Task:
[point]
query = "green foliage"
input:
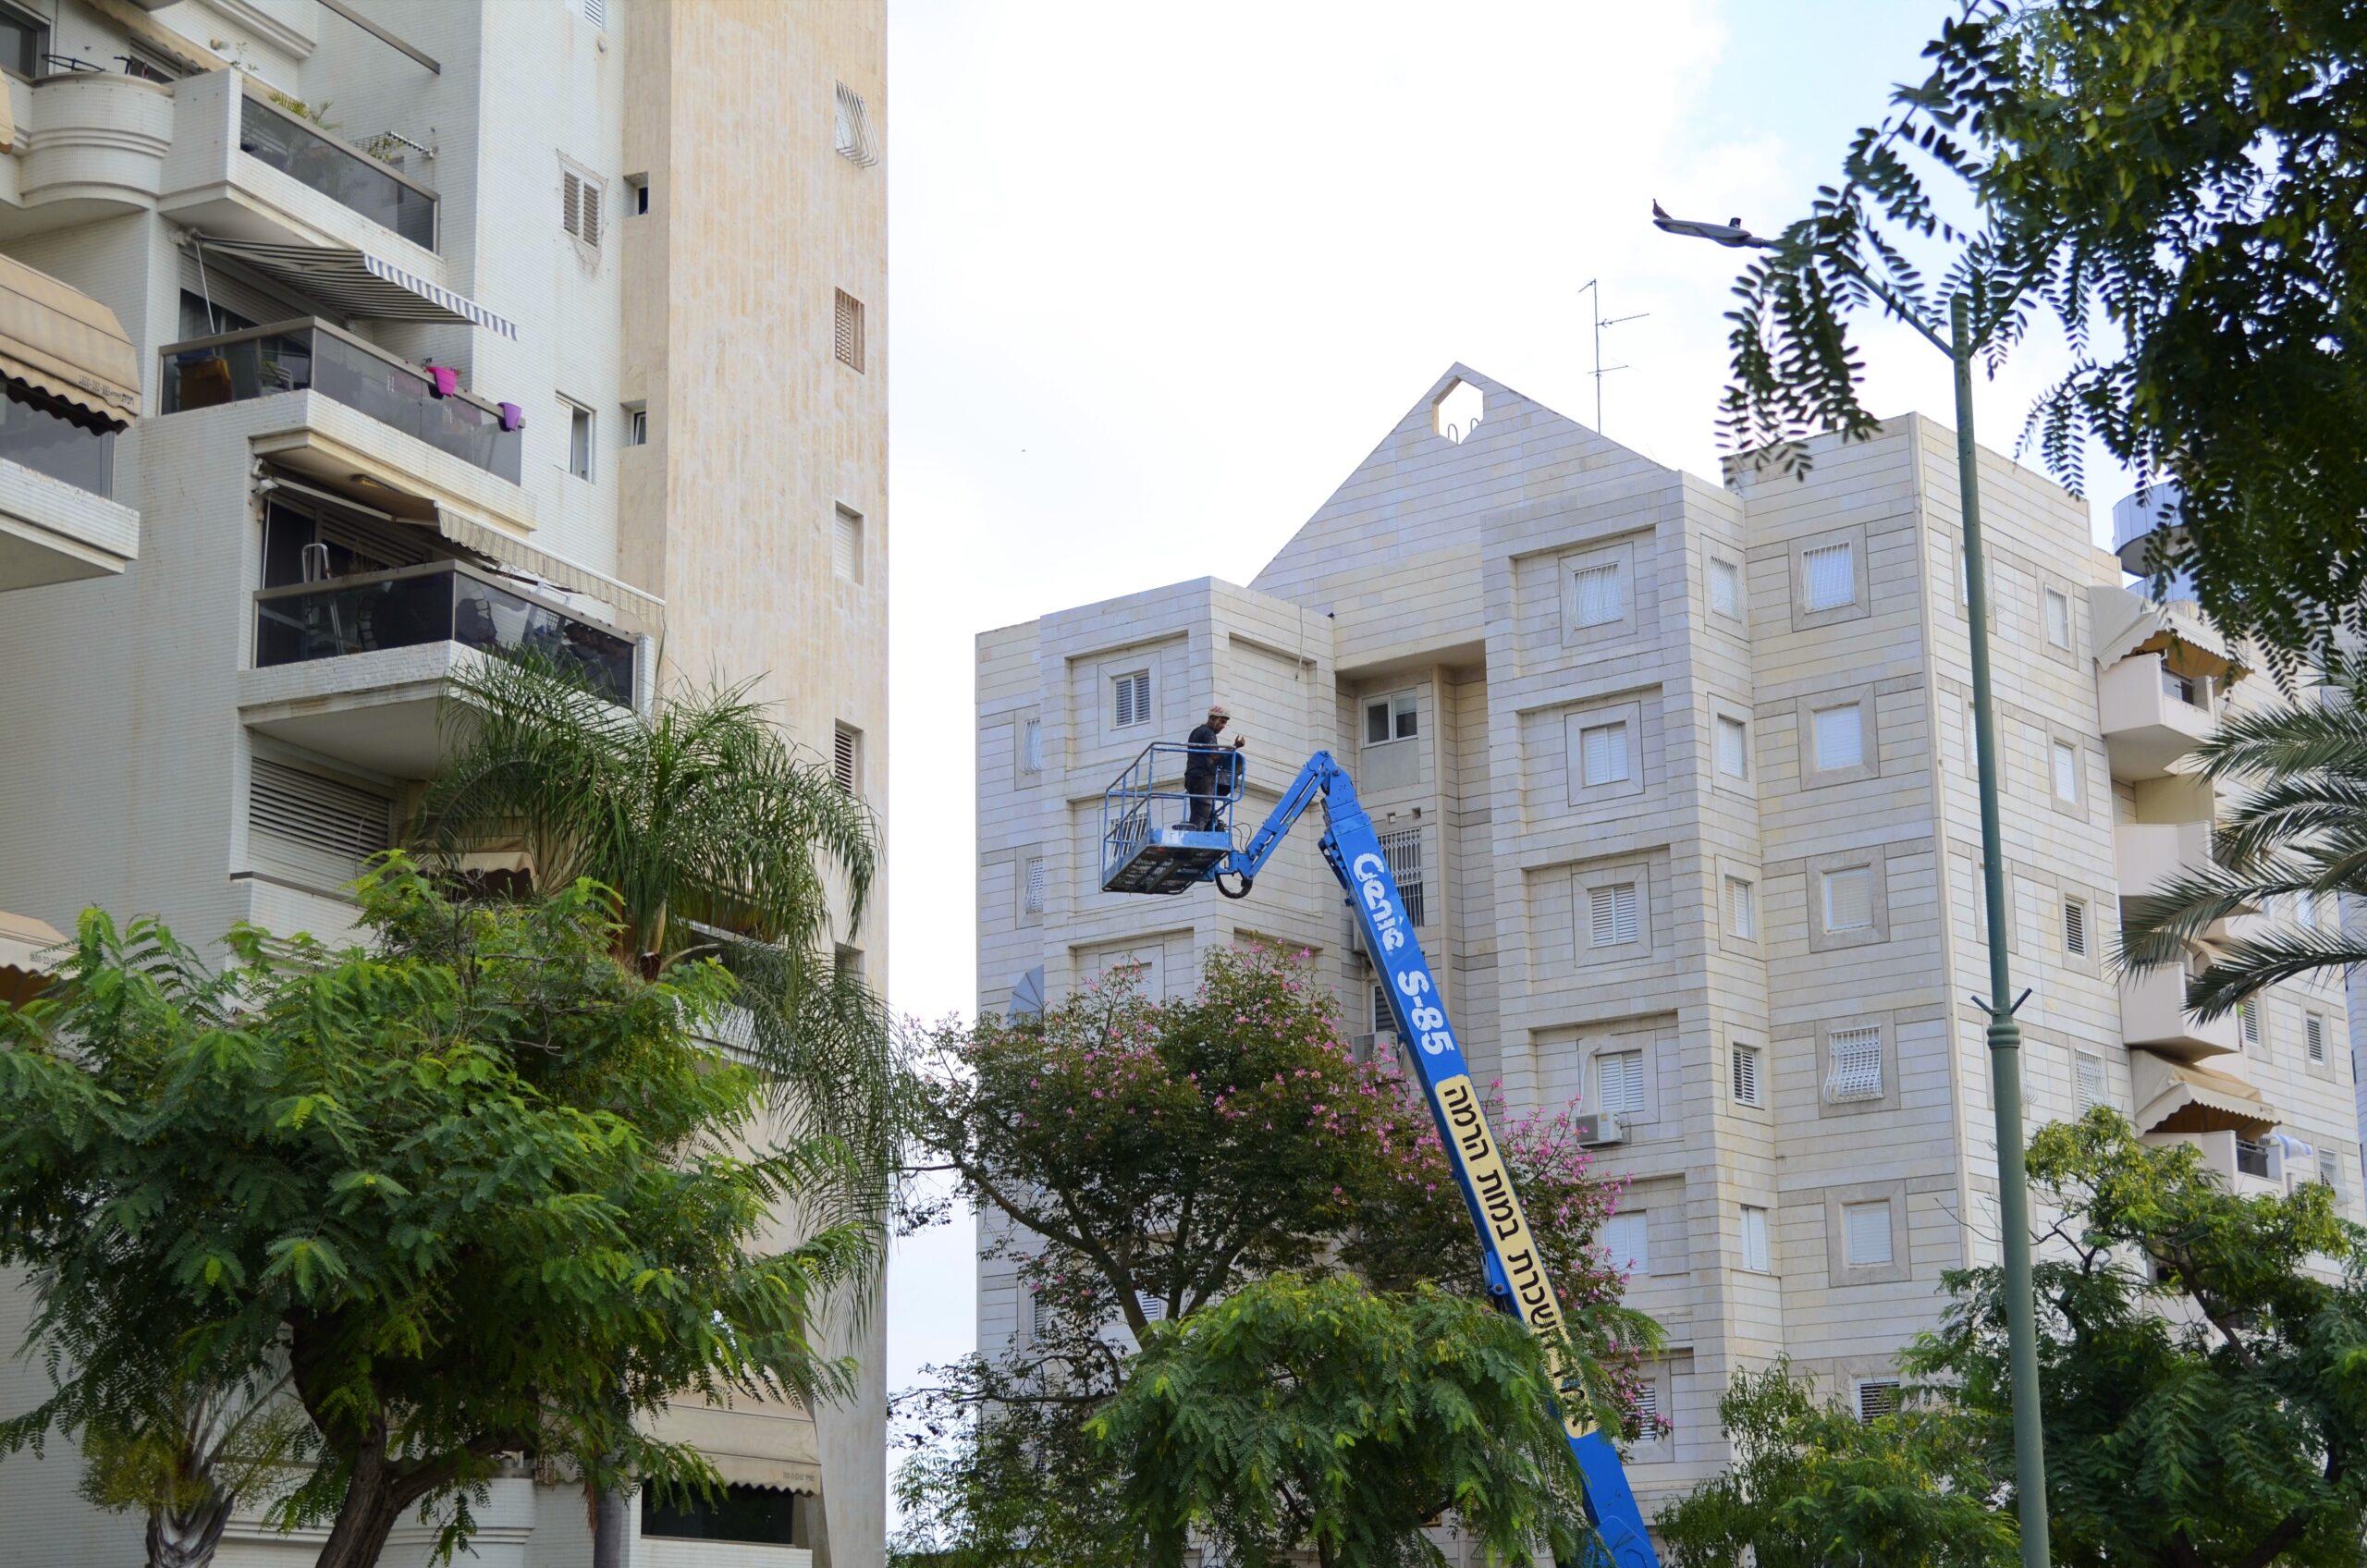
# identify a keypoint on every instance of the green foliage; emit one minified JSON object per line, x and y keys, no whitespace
{"x":1813,"y":1486}
{"x":476,"y":1190}
{"x":1299,"y":1413}
{"x":2298,"y":829}
{"x":1127,"y":1151}
{"x":2181,"y":185}
{"x":2203,"y":1361}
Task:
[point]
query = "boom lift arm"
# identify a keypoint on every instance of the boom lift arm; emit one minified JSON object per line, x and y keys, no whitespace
{"x":1141,"y":857}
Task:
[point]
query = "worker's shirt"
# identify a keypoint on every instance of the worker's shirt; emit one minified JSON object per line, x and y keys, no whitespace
{"x":1201,"y":765}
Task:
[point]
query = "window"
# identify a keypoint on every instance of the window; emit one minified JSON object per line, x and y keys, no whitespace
{"x":1742,"y":912}
{"x":846,"y":760}
{"x":1734,"y":747}
{"x":2314,"y":1035}
{"x":847,"y":339}
{"x":2075,"y":929}
{"x":1829,"y":577}
{"x":1725,"y":588}
{"x":1619,"y":1082}
{"x":24,"y":39}
{"x":1849,"y":898}
{"x":317,"y":813}
{"x":854,"y":130}
{"x":2193,"y":691}
{"x":1391,"y":718}
{"x":579,"y":206}
{"x":1404,"y":848}
{"x":1745,"y":1073}
{"x":1034,"y":885}
{"x":2066,"y":771}
{"x":579,"y":437}
{"x":1857,"y":1073}
{"x":1648,"y":1405}
{"x":2330,"y":1171}
{"x":1600,"y":595}
{"x":1030,"y":746}
{"x":1039,"y":1318}
{"x":2248,"y":1018}
{"x":149,"y":64}
{"x":1130,"y":699}
{"x":2058,"y":618}
{"x":1152,"y":1307}
{"x":2088,"y":1075}
{"x":846,"y":545}
{"x":755,"y":1515}
{"x":1840,"y":737}
{"x":1383,"y":1020}
{"x":1754,"y":1239}
{"x":848,"y":962}
{"x":636,"y":195}
{"x":1865,"y":1231}
{"x":1613,"y":912}
{"x":636,"y":425}
{"x":1602,"y":754}
{"x":1624,"y":1243}
{"x":1877,"y":1397}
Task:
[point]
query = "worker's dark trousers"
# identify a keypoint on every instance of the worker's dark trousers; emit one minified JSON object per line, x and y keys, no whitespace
{"x":1203,"y":816}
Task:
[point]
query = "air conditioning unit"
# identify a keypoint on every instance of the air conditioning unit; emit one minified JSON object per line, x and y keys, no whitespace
{"x":1599,"y":1129}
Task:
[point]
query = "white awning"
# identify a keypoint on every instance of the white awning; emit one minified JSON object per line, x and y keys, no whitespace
{"x":2176,"y":1096}
{"x":356,"y":283}
{"x":23,"y":941}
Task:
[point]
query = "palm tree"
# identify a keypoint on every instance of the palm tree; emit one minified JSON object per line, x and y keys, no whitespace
{"x":2297,"y":831}
{"x":716,"y":838}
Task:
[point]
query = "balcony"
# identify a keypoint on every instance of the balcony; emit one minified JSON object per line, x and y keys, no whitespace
{"x":360,"y":668}
{"x":311,"y":355}
{"x":2149,"y":855}
{"x":2152,"y":717}
{"x":2153,"y":1015}
{"x":279,"y":140}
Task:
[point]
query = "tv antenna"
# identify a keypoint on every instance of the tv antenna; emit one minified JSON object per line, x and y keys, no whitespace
{"x":1602,"y":321}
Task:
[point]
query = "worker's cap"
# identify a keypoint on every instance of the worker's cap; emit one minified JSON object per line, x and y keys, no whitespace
{"x":1218,"y":710}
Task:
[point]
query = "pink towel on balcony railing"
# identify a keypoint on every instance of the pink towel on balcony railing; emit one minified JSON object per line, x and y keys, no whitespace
{"x":446,"y":380}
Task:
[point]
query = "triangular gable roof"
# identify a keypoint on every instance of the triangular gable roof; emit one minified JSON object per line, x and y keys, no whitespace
{"x":1419,"y":494}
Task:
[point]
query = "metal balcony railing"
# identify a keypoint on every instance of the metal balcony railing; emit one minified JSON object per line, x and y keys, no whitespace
{"x":309,"y":354}
{"x":437,"y":602}
{"x":271,"y":135}
{"x":1150,"y":796}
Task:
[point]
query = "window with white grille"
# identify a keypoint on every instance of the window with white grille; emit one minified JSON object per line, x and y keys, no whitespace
{"x":2075,"y":929}
{"x":1829,"y":577}
{"x":1602,"y":754}
{"x":1857,"y":1068}
{"x":1389,"y":718}
{"x":1849,"y":898}
{"x":2087,"y":1073}
{"x":1619,"y":1082}
{"x":1734,"y":747}
{"x":847,"y":331}
{"x":580,"y":196}
{"x":1648,"y":1401}
{"x":1865,"y":1228}
{"x":1602,"y":595}
{"x":1383,"y":1020}
{"x":1035,"y":884}
{"x":1624,"y":1240}
{"x":1130,"y":699}
{"x":322,"y":824}
{"x":1754,"y":1238}
{"x":2066,"y":771}
{"x":852,"y":130}
{"x":1040,"y":1316}
{"x":2248,"y":1019}
{"x":1741,"y":908}
{"x":1613,"y":913}
{"x":1404,"y":848}
{"x":1745,"y":1073}
{"x":596,"y":12}
{"x":846,"y":760}
{"x":2058,"y":618}
{"x":1840,"y":734}
{"x":1725,"y":588}
{"x":1877,"y":1397}
{"x":1031,"y":747}
{"x":2313,"y":1036}
{"x":846,"y":545}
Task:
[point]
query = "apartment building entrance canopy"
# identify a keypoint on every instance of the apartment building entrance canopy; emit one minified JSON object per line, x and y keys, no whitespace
{"x":66,"y":347}
{"x":355,"y":283}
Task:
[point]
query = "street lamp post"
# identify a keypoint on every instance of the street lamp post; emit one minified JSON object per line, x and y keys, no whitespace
{"x":2004,"y":1035}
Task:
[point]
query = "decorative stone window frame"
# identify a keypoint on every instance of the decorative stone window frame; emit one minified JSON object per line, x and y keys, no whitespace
{"x":1740,"y":870}
{"x":1712,"y":552}
{"x":2059,"y":946}
{"x":1609,"y":874}
{"x":1861,"y":603}
{"x":1825,"y":1030}
{"x":2084,"y":807}
{"x":1876,"y":859}
{"x":1870,"y":736}
{"x":1724,"y":707}
{"x":2048,"y":582}
{"x":1839,"y":1271}
{"x":1616,"y":1043}
{"x":1574,"y":723}
{"x":1620,"y":553}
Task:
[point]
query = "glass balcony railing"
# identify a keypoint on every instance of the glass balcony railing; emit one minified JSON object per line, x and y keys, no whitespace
{"x":273,"y":136}
{"x":296,"y":356}
{"x":60,"y":448}
{"x":439,"y":602}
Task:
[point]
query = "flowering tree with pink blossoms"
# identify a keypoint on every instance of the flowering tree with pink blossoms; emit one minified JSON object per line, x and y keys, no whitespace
{"x":1140,"y":1161}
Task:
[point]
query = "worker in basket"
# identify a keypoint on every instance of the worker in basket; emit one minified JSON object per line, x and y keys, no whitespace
{"x":1209,"y":771}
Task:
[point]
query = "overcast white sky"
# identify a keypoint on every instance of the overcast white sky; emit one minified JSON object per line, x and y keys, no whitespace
{"x":1161,"y":276}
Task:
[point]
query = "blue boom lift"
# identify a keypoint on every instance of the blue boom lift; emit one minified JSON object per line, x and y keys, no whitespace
{"x":1143,"y":855}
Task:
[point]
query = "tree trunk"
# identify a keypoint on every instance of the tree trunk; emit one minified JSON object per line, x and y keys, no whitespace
{"x":187,"y":1538}
{"x":611,"y":1527}
{"x":376,"y":1497}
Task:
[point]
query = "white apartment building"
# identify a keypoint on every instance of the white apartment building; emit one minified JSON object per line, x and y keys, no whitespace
{"x":1679,"y":778}
{"x":437,"y":328}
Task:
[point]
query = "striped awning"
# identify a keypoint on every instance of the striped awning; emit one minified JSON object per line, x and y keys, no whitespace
{"x":66,"y":349}
{"x":356,"y":283}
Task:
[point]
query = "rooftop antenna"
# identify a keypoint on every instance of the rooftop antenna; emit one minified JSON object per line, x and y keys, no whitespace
{"x":1602,"y":321}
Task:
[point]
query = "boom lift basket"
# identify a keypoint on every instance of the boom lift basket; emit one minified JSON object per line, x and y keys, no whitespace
{"x":1145,"y":848}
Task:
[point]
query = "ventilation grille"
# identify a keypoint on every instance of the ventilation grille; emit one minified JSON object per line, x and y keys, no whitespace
{"x":2075,"y":929}
{"x":313,"y":825}
{"x":596,"y":13}
{"x":846,"y":760}
{"x":1153,"y":1307}
{"x":1648,"y":1400}
{"x":2313,"y":1030}
{"x":848,"y":331}
{"x":855,"y":140}
{"x":579,"y":206}
{"x":1876,"y":1400}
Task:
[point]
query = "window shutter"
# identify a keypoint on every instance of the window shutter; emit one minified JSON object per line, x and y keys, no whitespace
{"x":1831,"y":574}
{"x":1648,"y":1403}
{"x":1381,"y":1017}
{"x":2089,"y":1071}
{"x":314,"y":827}
{"x":2058,"y":619}
{"x":571,"y":204}
{"x":854,"y":128}
{"x":1133,"y":699}
{"x":1404,"y":850}
{"x":846,"y":766}
{"x":2313,"y":1031}
{"x":1031,"y":747}
{"x":1856,"y":1069}
{"x":1840,"y":737}
{"x":2067,"y":772}
{"x":1746,"y":1074}
{"x":1876,"y":1398}
{"x":1153,"y":1307}
{"x":1866,"y":1230}
{"x":1040,"y":1316}
{"x":1601,"y":600}
{"x":846,"y":545}
{"x":1036,"y":885}
{"x":2248,"y":1016}
{"x":848,"y":330}
{"x":2330,"y":1171}
{"x":1754,"y":1238}
{"x":1742,"y":914}
{"x":1849,"y":900}
{"x":596,"y":12}
{"x":1602,"y":754}
{"x":1733,"y":748}
{"x":1623,"y":1240}
{"x":2075,"y":929}
{"x":1725,"y":588}
{"x":1619,"y":1082}
{"x":591,"y":231}
{"x":1612,"y":911}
